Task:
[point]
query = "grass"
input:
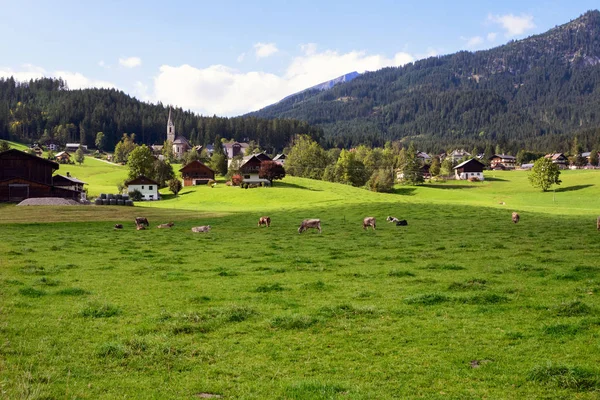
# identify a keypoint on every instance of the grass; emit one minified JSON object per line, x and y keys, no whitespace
{"x":402,"y":312}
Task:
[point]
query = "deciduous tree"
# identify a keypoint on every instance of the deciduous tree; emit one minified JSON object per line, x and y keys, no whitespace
{"x":544,"y":174}
{"x":271,"y":170}
{"x":80,"y":155}
{"x":141,"y":162}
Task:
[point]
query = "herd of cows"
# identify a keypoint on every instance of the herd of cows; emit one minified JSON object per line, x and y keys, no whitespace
{"x":142,"y":223}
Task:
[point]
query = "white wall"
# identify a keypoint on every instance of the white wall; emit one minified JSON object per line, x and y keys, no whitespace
{"x":466,"y":175}
{"x":145,"y":191}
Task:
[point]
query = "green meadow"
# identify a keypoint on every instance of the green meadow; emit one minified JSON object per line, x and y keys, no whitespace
{"x":459,"y":304}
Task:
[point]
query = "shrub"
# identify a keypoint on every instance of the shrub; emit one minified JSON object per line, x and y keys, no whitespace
{"x":236,"y":180}
{"x":136,"y":195}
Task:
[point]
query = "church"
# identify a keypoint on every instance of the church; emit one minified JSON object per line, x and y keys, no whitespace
{"x":180,"y":144}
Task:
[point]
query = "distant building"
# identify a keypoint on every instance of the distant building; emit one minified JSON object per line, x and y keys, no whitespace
{"x":146,"y":186}
{"x":180,"y":144}
{"x":457,"y":155}
{"x":235,"y":148}
{"x":502,"y":161}
{"x":469,"y":169}
{"x":280,"y":158}
{"x":63,"y":157}
{"x":75,"y":146}
{"x":558,"y":158}
{"x":423,"y":157}
{"x":250,"y":168}
{"x":196,"y":173}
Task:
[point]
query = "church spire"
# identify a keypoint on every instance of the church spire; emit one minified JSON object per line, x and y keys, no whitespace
{"x":170,"y":128}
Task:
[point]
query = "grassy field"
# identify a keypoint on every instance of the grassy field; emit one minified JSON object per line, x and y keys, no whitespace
{"x":461,"y":303}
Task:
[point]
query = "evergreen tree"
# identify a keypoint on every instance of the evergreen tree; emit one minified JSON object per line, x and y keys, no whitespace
{"x":411,"y":172}
{"x":100,"y":141}
{"x":594,"y":157}
{"x":435,"y":167}
{"x":218,"y":161}
{"x":79,"y":155}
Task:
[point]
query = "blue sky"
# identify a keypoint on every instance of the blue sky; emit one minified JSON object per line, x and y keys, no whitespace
{"x":231,"y":57}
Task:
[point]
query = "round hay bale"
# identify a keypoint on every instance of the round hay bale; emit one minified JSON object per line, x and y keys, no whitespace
{"x":128,"y":202}
{"x":119,"y":196}
{"x":120,"y":202}
{"x":125,"y":197}
{"x":113,"y":202}
{"x":105,"y":202}
{"x":102,"y":195}
{"x":110,"y":196}
{"x":98,"y":201}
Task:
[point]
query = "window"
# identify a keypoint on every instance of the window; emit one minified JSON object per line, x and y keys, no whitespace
{"x":151,"y":196}
{"x":150,"y":187}
{"x":142,"y":187}
{"x":246,"y":176}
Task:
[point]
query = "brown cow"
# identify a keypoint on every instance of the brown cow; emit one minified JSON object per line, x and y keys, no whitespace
{"x":598,"y":223}
{"x":167,"y":225}
{"x":264,"y":221}
{"x":310,"y":223}
{"x":141,"y":221}
{"x":203,"y":228}
{"x":369,"y":221}
{"x":515,"y":217}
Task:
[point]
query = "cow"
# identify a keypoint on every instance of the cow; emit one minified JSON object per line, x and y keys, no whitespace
{"x":141,"y":221}
{"x":369,"y":222}
{"x":402,"y":222}
{"x":310,"y":223}
{"x":167,"y":225}
{"x":392,"y":219}
{"x":515,"y":217}
{"x":140,"y":227}
{"x":203,"y":228}
{"x":264,"y":221}
{"x":118,"y":226}
{"x":598,"y":223}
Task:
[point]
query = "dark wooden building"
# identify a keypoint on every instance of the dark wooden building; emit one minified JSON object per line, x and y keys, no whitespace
{"x":24,"y":176}
{"x":469,"y":169}
{"x":196,"y":173}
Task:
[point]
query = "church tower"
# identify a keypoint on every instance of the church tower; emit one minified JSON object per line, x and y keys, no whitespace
{"x":170,"y":129}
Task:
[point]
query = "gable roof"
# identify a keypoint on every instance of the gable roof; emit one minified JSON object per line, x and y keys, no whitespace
{"x":22,"y":153}
{"x":555,"y":156}
{"x":193,"y":165}
{"x":141,"y":180}
{"x":462,"y":164}
{"x":279,"y":157}
{"x":68,"y":178}
{"x":181,"y":140}
{"x":503,"y":156}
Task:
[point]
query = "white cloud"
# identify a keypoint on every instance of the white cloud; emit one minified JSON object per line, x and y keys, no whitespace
{"x":130,"y":62}
{"x":308,"y":48}
{"x":226,"y":91}
{"x":473,"y":41}
{"x":241,"y":57}
{"x":263,"y":50}
{"x":492,"y":36}
{"x":75,"y":80}
{"x":513,"y":25}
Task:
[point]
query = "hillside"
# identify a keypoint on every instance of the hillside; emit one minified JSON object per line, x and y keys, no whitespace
{"x":537,"y":92}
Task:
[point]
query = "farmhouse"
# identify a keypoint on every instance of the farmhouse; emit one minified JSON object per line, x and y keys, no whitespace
{"x":502,"y":161}
{"x":280,"y":158}
{"x":458,"y":155}
{"x":196,"y":173}
{"x":558,"y":158}
{"x":469,"y":169}
{"x":235,"y":148}
{"x":24,"y":176}
{"x":146,"y":186}
{"x":250,"y":167}
{"x":63,"y":157}
{"x":68,"y":182}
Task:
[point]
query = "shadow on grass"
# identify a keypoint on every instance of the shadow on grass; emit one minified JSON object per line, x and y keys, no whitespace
{"x":293,"y":186}
{"x":449,"y":186}
{"x":572,"y":188}
{"x":492,"y":179}
{"x":405,"y":191}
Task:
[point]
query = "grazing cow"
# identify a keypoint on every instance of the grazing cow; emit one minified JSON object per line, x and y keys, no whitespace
{"x":515,"y":217}
{"x":118,"y":226}
{"x":167,"y":225}
{"x":141,"y":221}
{"x":598,"y":223}
{"x":392,"y":219}
{"x":203,"y":228}
{"x":310,"y":223}
{"x":264,"y":221}
{"x":402,"y":222}
{"x":369,"y":222}
{"x":140,"y":227}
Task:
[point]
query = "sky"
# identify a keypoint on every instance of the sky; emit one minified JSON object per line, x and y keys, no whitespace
{"x":232,"y":57}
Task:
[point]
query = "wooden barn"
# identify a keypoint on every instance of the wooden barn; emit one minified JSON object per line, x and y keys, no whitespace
{"x":469,"y":169}
{"x":24,"y":176}
{"x":196,"y":173}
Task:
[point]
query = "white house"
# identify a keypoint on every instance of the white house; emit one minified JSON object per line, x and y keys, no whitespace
{"x":469,"y":169}
{"x":146,"y":186}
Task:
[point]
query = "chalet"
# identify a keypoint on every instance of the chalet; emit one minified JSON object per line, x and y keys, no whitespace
{"x":558,"y":158}
{"x":280,"y":158}
{"x":68,"y":182}
{"x":146,"y":186}
{"x":502,"y":161}
{"x":423,"y":157}
{"x":63,"y":157}
{"x":196,"y":173}
{"x":457,"y":155}
{"x":235,"y":148}
{"x":74,"y":146}
{"x":24,"y":176}
{"x":263,"y":157}
{"x":250,"y":167}
{"x":469,"y":169}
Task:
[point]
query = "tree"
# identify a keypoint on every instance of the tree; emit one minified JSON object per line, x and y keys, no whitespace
{"x":271,"y":170}
{"x":349,"y":170}
{"x":163,"y":172}
{"x":306,"y":159}
{"x":100,"y":140}
{"x":487,"y":154}
{"x":446,"y":167}
{"x":382,"y":180}
{"x":218,"y":161}
{"x":544,"y":174}
{"x":594,"y":157}
{"x":50,"y":155}
{"x":4,"y":146}
{"x":175,"y":186}
{"x":435,"y":167}
{"x":124,"y":148}
{"x":80,"y":155}
{"x":167,"y":151}
{"x":141,"y":162}
{"x":411,"y":173}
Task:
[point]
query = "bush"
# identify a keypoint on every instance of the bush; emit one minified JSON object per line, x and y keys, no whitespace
{"x":236,"y":180}
{"x":136,"y":195}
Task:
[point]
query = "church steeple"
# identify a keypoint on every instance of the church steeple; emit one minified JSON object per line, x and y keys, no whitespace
{"x":170,"y":128}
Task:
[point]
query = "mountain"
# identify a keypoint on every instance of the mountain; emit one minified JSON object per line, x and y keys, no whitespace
{"x":321,"y":87}
{"x":537,"y":92}
{"x":46,"y":109}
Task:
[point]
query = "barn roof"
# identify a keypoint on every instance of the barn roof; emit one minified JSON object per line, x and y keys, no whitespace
{"x":141,"y":180}
{"x":462,"y":164}
{"x":193,"y":165}
{"x":23,"y":154}
{"x":68,"y":178}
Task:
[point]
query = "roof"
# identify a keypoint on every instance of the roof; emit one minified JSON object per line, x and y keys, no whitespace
{"x":460,"y":153}
{"x":249,"y":158}
{"x":62,"y":153}
{"x":141,"y":180}
{"x":503,"y":156}
{"x":554,"y":156}
{"x":279,"y":157}
{"x":69,"y":178}
{"x":194,"y":164}
{"x":19,"y":152}
{"x":181,"y":140}
{"x":230,"y":144}
{"x":462,"y":164}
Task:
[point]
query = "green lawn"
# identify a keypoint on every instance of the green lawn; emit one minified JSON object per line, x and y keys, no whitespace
{"x":461,"y":303}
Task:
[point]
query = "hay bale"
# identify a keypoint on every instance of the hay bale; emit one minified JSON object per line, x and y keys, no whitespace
{"x":98,"y":201}
{"x":105,"y":202}
{"x":110,"y":196}
{"x":102,"y":195}
{"x":125,"y":197}
{"x":129,"y":203}
{"x":119,"y":196}
{"x":113,"y":202}
{"x":120,"y":202}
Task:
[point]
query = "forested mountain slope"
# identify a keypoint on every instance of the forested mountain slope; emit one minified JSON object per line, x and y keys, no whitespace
{"x":537,"y":92}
